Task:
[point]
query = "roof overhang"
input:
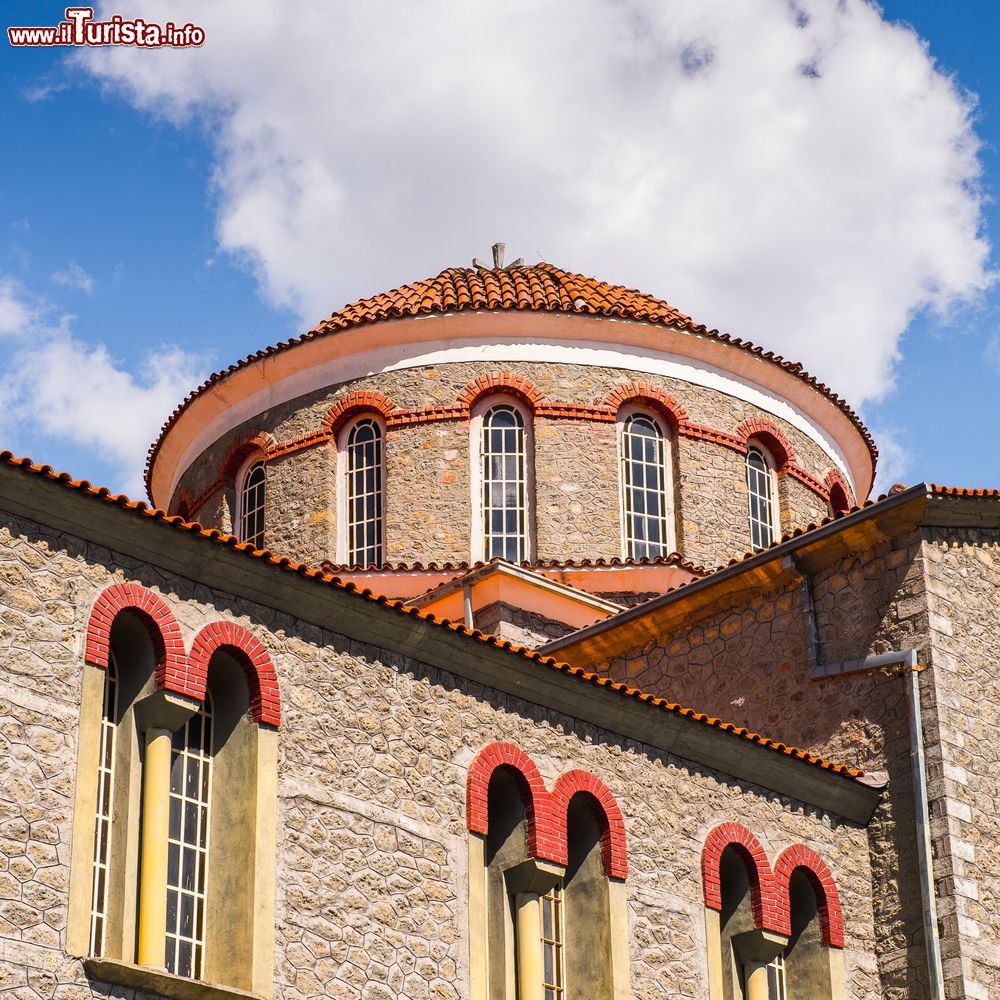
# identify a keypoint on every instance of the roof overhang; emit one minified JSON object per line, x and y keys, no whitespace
{"x":504,"y":582}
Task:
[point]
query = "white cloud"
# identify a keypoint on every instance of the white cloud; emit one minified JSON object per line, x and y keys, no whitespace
{"x":74,"y":276}
{"x":15,"y":310}
{"x":895,"y":460}
{"x":55,"y":384}
{"x":799,"y":173}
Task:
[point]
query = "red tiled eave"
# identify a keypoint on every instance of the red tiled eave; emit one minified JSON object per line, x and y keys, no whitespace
{"x":539,"y":287}
{"x":284,"y":564}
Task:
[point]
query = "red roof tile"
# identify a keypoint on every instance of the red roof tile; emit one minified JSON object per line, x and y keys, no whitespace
{"x":540,"y":287}
{"x":283,"y":563}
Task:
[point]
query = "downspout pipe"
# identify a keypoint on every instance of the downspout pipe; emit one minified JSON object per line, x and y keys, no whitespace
{"x":924,"y":857}
{"x":907,"y":659}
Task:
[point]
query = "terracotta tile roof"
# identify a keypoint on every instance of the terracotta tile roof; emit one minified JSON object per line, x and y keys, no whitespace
{"x":674,"y":559}
{"x":541,"y":287}
{"x":958,"y":491}
{"x":284,"y":564}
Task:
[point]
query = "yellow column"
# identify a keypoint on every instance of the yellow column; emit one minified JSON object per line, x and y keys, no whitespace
{"x":529,"y":946}
{"x":756,"y":973}
{"x":155,"y":832}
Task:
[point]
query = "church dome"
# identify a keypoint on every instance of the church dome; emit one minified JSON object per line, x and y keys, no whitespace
{"x":576,"y":357}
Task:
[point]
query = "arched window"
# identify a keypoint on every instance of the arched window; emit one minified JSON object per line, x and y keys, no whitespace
{"x":646,"y":506}
{"x":364,"y":497}
{"x":839,"y":502}
{"x":252,"y":485}
{"x":763,"y":498}
{"x":504,"y":470}
{"x":105,"y":798}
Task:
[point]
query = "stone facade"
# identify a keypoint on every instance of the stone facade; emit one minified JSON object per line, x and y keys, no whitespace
{"x":752,"y":657}
{"x":374,"y":747}
{"x":428,"y":513}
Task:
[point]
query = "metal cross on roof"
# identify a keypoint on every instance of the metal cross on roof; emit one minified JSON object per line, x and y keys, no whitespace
{"x":498,"y":264}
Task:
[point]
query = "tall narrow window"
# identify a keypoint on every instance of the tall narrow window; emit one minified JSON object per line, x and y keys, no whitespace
{"x":505,"y":520}
{"x":761,"y":492}
{"x":776,"y":978}
{"x":190,"y":789}
{"x":105,"y":798}
{"x":252,"y":505}
{"x":644,"y":490}
{"x":364,"y":493}
{"x":552,"y":943}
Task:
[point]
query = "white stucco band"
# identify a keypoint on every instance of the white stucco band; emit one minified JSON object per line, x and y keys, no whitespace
{"x":511,"y":336}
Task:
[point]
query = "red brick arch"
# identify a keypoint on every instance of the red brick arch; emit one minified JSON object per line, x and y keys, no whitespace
{"x":501,"y":383}
{"x":156,"y":617}
{"x":260,"y":442}
{"x":613,"y":848}
{"x":771,"y":436}
{"x":648,"y":395}
{"x":542,"y":839}
{"x":250,"y":652}
{"x":839,"y":491}
{"x":804,"y":859}
{"x":761,"y":878}
{"x":353,"y":404}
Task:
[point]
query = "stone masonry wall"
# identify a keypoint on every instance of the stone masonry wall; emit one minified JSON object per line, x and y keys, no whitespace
{"x":963,"y":583}
{"x":576,"y":470}
{"x":373,"y":754}
{"x":748,"y":663}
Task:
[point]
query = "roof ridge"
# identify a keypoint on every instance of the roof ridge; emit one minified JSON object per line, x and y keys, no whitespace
{"x":141,"y":509}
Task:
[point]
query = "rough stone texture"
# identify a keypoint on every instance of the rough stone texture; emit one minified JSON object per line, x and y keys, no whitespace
{"x":748,"y":662}
{"x":373,"y":753}
{"x":963,"y":593}
{"x":576,"y":470}
{"x":519,"y":625}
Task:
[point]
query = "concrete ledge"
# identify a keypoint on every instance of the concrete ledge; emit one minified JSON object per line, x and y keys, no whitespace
{"x":138,"y":977}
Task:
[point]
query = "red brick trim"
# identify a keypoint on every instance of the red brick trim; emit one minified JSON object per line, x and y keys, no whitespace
{"x":542,"y":838}
{"x":806,"y":478}
{"x":575,"y":411}
{"x":501,"y":382}
{"x":159,"y":622}
{"x":354,"y":403}
{"x":265,"y":699}
{"x":771,"y":436}
{"x":656,"y":399}
{"x":713,"y":436}
{"x":735,"y":835}
{"x":839,"y":491}
{"x":613,"y":848}
{"x":260,"y":442}
{"x":298,"y":444}
{"x":206,"y":495}
{"x":804,"y":859}
{"x":425,"y":415}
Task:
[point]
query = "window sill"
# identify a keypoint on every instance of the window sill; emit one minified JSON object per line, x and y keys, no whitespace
{"x":141,"y":977}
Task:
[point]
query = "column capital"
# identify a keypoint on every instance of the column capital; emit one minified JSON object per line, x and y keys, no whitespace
{"x":166,"y":710}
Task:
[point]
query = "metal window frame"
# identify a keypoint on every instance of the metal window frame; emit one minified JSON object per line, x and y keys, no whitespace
{"x":369,"y":551}
{"x":488,"y":483}
{"x":104,"y":814}
{"x":761,"y":486}
{"x":252,"y":499}
{"x":630,"y":490}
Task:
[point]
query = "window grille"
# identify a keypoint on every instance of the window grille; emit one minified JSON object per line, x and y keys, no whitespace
{"x":187,"y":859}
{"x":759,"y":487}
{"x":776,"y":978}
{"x":644,"y":488}
{"x":364,"y":493}
{"x":504,"y":484}
{"x":553,"y":971}
{"x":105,"y":798}
{"x":252,"y":506}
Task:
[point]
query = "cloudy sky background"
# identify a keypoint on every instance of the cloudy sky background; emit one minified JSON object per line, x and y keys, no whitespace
{"x":818,"y":177}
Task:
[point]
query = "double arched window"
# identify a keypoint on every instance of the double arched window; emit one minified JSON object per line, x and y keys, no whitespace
{"x":547,"y":870}
{"x":504,"y":482}
{"x":762,"y":494}
{"x":645,"y":485}
{"x":175,"y":796}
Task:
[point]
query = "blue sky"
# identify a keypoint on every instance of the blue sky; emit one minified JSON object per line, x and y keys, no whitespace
{"x":146,"y":237}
